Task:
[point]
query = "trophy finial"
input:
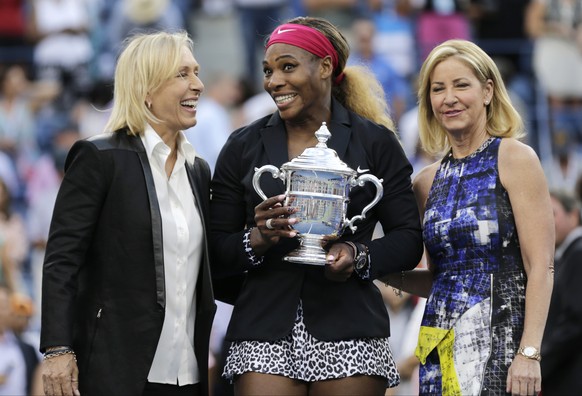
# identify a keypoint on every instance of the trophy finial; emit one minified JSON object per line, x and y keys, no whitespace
{"x":322,"y":135}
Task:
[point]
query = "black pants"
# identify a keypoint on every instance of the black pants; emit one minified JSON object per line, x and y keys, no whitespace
{"x":155,"y":389}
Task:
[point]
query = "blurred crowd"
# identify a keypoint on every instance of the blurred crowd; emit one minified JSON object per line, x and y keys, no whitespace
{"x":56,"y":67}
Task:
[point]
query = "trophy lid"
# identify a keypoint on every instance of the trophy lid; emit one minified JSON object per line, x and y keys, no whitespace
{"x":319,"y":157}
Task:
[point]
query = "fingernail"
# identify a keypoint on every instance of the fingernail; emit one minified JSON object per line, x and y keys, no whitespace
{"x":293,"y":234}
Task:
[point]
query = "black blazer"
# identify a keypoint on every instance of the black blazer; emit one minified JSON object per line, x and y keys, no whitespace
{"x":103,"y":278}
{"x":561,"y":362}
{"x":267,"y":304}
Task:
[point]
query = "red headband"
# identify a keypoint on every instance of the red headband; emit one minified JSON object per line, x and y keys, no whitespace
{"x":307,"y":38}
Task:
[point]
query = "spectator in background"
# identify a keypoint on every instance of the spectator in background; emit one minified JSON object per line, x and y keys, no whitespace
{"x":19,"y":363}
{"x":215,"y":118}
{"x":14,"y":238}
{"x":91,"y":112}
{"x":14,"y":32}
{"x":20,"y":99}
{"x":564,"y":167}
{"x":63,"y":50}
{"x":130,"y":17}
{"x":395,"y":39}
{"x":556,"y":28}
{"x":396,"y":88}
{"x":341,"y":13}
{"x":438,"y":21}
{"x":256,"y":19}
{"x":255,"y":107}
{"x":7,"y":270}
{"x":499,"y":27}
{"x":22,"y":307}
{"x":562,"y":362}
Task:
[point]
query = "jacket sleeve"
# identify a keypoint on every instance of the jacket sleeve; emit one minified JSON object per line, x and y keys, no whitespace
{"x":401,"y":246}
{"x":228,"y":214}
{"x":76,"y":212}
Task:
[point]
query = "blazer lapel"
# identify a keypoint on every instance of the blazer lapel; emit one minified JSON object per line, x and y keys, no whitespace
{"x":156,"y":218}
{"x":274,"y":140}
{"x":199,"y":177}
{"x":340,"y":129}
{"x":196,"y":178}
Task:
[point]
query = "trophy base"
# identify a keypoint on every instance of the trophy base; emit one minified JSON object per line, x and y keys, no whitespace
{"x":310,"y":252}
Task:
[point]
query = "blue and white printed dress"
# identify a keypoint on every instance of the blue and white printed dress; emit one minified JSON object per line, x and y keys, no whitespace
{"x":474,"y":316}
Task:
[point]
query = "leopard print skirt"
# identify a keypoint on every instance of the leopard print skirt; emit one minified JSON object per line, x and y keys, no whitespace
{"x":301,"y":356}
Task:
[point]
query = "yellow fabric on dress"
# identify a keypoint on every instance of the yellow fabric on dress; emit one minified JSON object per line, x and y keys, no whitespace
{"x":430,"y":338}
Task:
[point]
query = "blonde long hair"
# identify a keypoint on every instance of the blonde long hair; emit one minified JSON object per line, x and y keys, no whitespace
{"x":146,"y":62}
{"x":503,"y":120}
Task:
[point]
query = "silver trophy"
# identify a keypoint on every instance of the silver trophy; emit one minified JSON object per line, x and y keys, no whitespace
{"x":318,"y":184}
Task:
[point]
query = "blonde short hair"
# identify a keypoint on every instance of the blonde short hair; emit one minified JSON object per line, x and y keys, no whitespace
{"x":145,"y":63}
{"x":503,"y":120}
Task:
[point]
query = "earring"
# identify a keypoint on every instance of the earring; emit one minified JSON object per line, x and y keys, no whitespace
{"x":149,"y":105}
{"x":486,"y":103}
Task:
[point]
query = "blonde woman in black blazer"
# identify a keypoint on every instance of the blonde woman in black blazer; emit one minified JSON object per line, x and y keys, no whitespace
{"x":107,"y":292}
{"x":336,"y":312}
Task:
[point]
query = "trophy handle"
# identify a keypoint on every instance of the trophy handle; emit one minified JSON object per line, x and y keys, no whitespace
{"x":259,"y":171}
{"x":360,"y":181}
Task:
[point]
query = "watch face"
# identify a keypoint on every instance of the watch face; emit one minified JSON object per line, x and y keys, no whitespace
{"x":361,"y":261}
{"x":529,"y":351}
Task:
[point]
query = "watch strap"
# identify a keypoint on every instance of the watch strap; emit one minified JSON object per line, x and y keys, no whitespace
{"x":530,"y":352}
{"x":361,"y":259}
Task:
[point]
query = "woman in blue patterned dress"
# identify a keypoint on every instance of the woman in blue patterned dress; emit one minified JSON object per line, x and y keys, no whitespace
{"x":488,"y":231}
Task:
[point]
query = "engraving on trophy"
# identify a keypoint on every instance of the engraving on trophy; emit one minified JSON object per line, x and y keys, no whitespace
{"x":319,"y":198}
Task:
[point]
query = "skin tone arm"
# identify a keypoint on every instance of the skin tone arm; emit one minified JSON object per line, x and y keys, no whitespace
{"x":522,"y":176}
{"x":60,"y":375}
{"x":419,"y":280}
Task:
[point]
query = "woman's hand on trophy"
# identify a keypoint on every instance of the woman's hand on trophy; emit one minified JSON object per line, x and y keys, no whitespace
{"x":340,"y":262}
{"x":273,"y":222}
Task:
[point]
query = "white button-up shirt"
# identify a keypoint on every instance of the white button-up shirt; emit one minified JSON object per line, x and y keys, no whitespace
{"x":175,"y":361}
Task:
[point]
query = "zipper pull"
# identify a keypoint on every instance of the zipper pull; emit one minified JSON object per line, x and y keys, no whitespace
{"x":99,"y":313}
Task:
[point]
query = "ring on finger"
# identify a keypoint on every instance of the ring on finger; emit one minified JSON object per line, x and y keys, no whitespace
{"x":269,"y":224}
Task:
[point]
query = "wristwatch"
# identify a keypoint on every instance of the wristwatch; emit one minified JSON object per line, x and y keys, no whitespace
{"x":530,"y":352}
{"x":360,"y":255}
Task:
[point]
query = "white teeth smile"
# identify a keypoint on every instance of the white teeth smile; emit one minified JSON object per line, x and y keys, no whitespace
{"x":191,"y":103}
{"x":284,"y":98}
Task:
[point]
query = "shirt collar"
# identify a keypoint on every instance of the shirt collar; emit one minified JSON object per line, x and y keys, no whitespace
{"x":151,"y":140}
